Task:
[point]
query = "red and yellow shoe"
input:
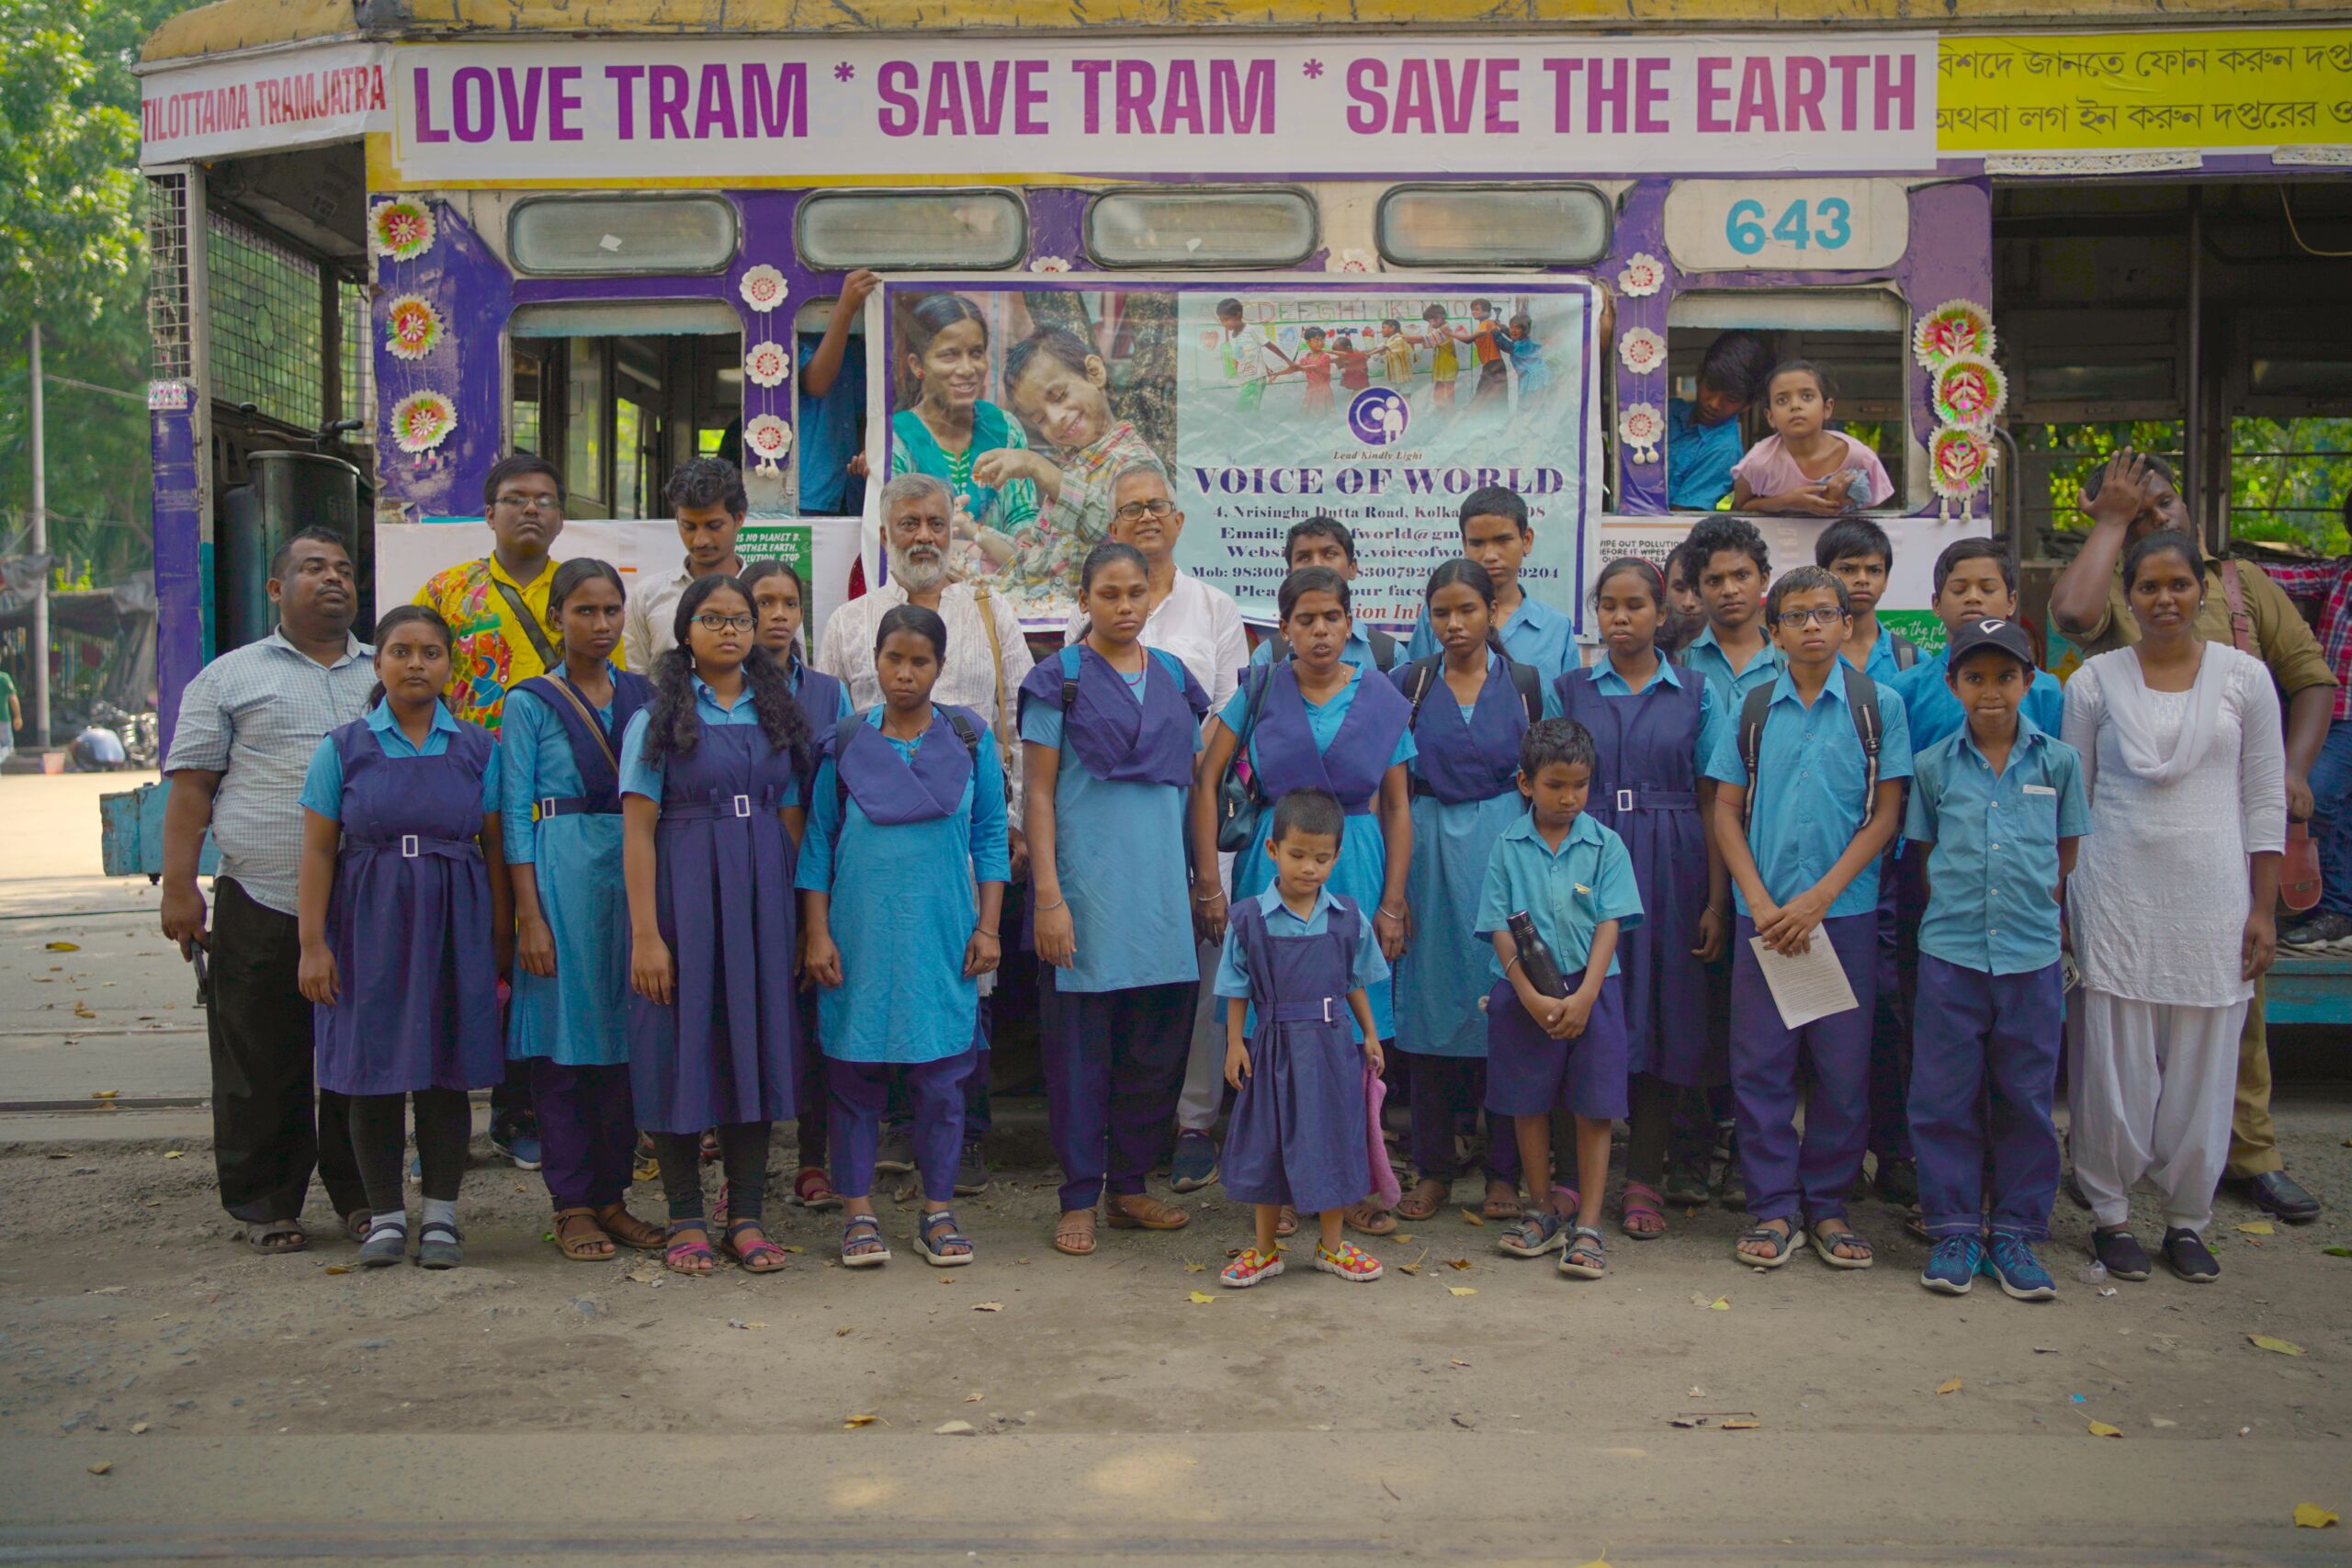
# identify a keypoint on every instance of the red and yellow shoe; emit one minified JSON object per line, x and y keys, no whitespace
{"x":1350,"y":1262}
{"x":1250,"y":1267}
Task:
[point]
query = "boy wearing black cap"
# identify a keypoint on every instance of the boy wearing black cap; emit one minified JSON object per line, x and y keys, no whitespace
{"x":1998,"y":806}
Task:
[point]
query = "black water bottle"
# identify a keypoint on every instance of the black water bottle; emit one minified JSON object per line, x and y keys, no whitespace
{"x":1543,"y":969}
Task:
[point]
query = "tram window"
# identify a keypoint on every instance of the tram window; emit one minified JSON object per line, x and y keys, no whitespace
{"x":1515,"y":225}
{"x":982,"y":230}
{"x":1193,"y":229}
{"x":583,"y":423}
{"x":626,"y":391}
{"x":574,"y":237}
{"x":527,"y":389}
{"x":2288,"y":479}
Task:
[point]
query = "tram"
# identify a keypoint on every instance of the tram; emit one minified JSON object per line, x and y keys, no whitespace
{"x":393,"y":243}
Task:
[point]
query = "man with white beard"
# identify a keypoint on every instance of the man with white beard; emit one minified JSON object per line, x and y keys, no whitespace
{"x":987,"y":660}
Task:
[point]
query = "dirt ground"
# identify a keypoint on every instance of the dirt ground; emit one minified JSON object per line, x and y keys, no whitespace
{"x":166,"y":1394}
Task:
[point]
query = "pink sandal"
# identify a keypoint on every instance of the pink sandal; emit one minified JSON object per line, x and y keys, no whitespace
{"x":1641,"y":1199}
{"x":683,"y":1255}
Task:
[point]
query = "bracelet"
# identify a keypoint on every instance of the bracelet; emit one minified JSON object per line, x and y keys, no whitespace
{"x":978,"y":931}
{"x":1057,"y":904}
{"x":1512,"y":964}
{"x":1210,"y":897}
{"x":1392,"y":914}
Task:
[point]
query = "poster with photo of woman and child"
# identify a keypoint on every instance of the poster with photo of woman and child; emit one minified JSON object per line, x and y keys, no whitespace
{"x":1263,"y":404}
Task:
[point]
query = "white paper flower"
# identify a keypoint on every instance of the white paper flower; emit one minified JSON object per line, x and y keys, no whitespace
{"x":1642,"y":350}
{"x":1352,"y":261}
{"x":1644,"y":275}
{"x":766,"y":365}
{"x":1641,"y":427}
{"x":1049,"y":264}
{"x":763,"y":288}
{"x":411,"y":327}
{"x":401,"y":229}
{"x":768,"y":439}
{"x":422,"y":421}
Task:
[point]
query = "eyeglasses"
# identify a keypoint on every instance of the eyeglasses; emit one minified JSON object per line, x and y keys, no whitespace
{"x":1137,"y":510}
{"x":711,"y":621}
{"x":529,"y":502}
{"x":1820,"y":615}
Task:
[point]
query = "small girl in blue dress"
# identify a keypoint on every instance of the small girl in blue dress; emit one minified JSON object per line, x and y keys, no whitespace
{"x":405,"y":924}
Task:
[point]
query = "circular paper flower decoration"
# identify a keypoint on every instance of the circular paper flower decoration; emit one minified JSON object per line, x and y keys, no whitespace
{"x":768,"y":439}
{"x":1353,"y":261}
{"x":1049,"y":264}
{"x":402,"y":229}
{"x":1955,"y":328}
{"x":411,"y":327}
{"x":763,"y":288}
{"x":1644,"y":275}
{"x":422,"y":421}
{"x":766,"y":364}
{"x":1641,"y":427}
{"x":1971,"y":390}
{"x":1642,"y":350}
{"x":1959,"y":461}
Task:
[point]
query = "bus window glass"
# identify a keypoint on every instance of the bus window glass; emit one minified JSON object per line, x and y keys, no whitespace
{"x":1521,"y":225}
{"x":527,"y":387}
{"x":583,"y":425}
{"x":894,"y":230}
{"x":1189,"y":229}
{"x":567,"y":237}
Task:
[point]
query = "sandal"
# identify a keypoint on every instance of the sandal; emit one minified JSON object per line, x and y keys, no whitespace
{"x":2191,"y":1259}
{"x":1370,"y":1219}
{"x":355,"y":1224}
{"x":1686,"y":1189}
{"x":813,"y":1190}
{"x":1249,"y":1267}
{"x":1429,"y":1195}
{"x":690,"y":1257}
{"x":1640,"y":1201}
{"x":2120,"y":1252}
{"x":1585,"y":1257}
{"x":1141,"y":1211}
{"x":932,"y":1243}
{"x":710,"y":1149}
{"x":387,"y":1244}
{"x":580,"y":1238}
{"x":1351,"y":1263}
{"x":1782,"y":1242}
{"x":438,"y":1245}
{"x":629,"y":1230}
{"x":1827,"y":1244}
{"x":1536,"y":1234}
{"x":1286,"y":1221}
{"x":760,"y":1256}
{"x":1074,"y":1233}
{"x":1501,"y":1204}
{"x":864,"y":1232}
{"x":277,"y":1236}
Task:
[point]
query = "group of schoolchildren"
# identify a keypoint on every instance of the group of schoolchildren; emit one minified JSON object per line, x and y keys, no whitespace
{"x":1495,"y":348}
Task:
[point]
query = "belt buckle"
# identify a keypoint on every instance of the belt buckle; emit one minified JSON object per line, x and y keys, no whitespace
{"x":743,"y":806}
{"x":546,"y":808}
{"x":409,"y":845}
{"x":1624,"y":800}
{"x":1326,"y":1009}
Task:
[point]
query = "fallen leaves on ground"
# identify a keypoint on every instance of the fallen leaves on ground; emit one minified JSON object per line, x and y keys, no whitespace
{"x":2312,"y":1517}
{"x":1720,"y":1304}
{"x":1193,"y":1268}
{"x":1949,"y":1386}
{"x":2257,"y":1227}
{"x":955,"y":1429}
{"x":1471,"y":1216}
{"x":2277,"y":1347}
{"x":1201,"y":1297}
{"x":849,"y":1421}
{"x":1741,"y":1424}
{"x":338,"y":1268}
{"x":740,"y":1322}
{"x":174,"y":1154}
{"x":2101,"y":1429}
{"x":843,"y":1332}
{"x":974,"y":1397}
{"x":987,"y":1306}
{"x":64,"y":947}
{"x":1457,"y":1263}
{"x":1462,"y":1289}
{"x":101,"y":1467}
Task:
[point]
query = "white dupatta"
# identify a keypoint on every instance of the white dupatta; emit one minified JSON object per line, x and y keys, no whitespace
{"x":2130,"y":707}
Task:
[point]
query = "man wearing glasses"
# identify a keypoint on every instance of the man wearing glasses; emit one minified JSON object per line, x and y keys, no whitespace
{"x":497,"y":610}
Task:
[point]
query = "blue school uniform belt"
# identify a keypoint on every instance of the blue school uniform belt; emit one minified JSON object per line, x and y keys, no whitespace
{"x":1330,"y":1010}
{"x":576,"y":806}
{"x":1654,"y":800}
{"x":719,"y":806}
{"x":412,"y":845}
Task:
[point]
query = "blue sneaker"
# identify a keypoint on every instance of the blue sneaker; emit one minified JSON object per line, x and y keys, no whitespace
{"x":1953,"y":1267}
{"x":2011,"y":1261}
{"x":518,"y":1140}
{"x":1194,"y":1165}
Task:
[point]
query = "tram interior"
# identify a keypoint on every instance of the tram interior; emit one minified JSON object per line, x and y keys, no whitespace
{"x":617,"y":411}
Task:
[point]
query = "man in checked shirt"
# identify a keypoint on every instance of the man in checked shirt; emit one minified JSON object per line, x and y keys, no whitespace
{"x":2327,"y":585}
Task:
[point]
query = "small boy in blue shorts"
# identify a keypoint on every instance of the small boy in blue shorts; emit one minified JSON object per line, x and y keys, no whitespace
{"x":1998,"y":804}
{"x":1575,"y":880}
{"x":1809,"y":794}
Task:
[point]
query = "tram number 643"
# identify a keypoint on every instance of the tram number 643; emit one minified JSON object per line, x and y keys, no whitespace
{"x":1828,"y":223}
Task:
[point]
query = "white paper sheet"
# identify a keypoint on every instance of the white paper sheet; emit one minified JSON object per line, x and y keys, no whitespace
{"x":1808,"y":987}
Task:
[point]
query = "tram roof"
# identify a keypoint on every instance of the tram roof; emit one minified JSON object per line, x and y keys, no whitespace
{"x":230,"y":26}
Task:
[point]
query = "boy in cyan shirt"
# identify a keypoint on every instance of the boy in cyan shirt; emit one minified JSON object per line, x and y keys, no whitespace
{"x":1999,"y":806}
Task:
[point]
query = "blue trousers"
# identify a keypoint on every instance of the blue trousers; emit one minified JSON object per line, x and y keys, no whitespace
{"x":587,"y":1131}
{"x":857,"y":1093}
{"x":1114,"y":1066}
{"x":2331,"y":819}
{"x":976,"y":1087}
{"x":1787,"y":1177}
{"x":1984,"y":1070}
{"x":1902,"y":902}
{"x":1448,"y":1094}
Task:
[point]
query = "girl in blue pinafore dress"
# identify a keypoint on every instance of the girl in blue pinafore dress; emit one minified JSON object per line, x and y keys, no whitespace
{"x":1655,"y":726}
{"x":1296,"y":964}
{"x":1470,"y":707}
{"x":569,"y":1017}
{"x":710,"y":812}
{"x":781,"y":601}
{"x":907,"y":814}
{"x":404,"y":922}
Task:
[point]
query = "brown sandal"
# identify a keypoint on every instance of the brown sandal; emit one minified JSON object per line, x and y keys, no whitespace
{"x":1370,"y":1219}
{"x":1074,"y":1233}
{"x":581,"y":1238}
{"x":1428,"y":1196}
{"x":1148,"y":1213}
{"x":630,"y":1231}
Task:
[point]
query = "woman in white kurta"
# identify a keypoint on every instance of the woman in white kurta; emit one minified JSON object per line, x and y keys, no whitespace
{"x":2170,"y":905}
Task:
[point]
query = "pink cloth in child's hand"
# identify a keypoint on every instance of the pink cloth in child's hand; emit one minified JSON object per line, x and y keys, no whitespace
{"x":1384,"y":1177}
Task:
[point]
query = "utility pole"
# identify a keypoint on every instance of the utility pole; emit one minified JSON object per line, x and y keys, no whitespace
{"x":39,"y":645}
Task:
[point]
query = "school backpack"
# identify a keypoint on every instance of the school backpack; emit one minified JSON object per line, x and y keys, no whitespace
{"x":1525,"y":678}
{"x":1174,"y":666}
{"x":1906,"y":652}
{"x":846,"y":731}
{"x":1862,"y":701}
{"x":1384,"y":648}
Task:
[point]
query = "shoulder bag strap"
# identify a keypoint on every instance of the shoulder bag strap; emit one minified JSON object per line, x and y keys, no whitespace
{"x":1530,"y":681}
{"x":549,"y":657}
{"x":984,"y":597}
{"x":1861,"y":697}
{"x":2241,"y":622}
{"x":1428,"y":667}
{"x":1752,"y":710}
{"x":588,"y":717}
